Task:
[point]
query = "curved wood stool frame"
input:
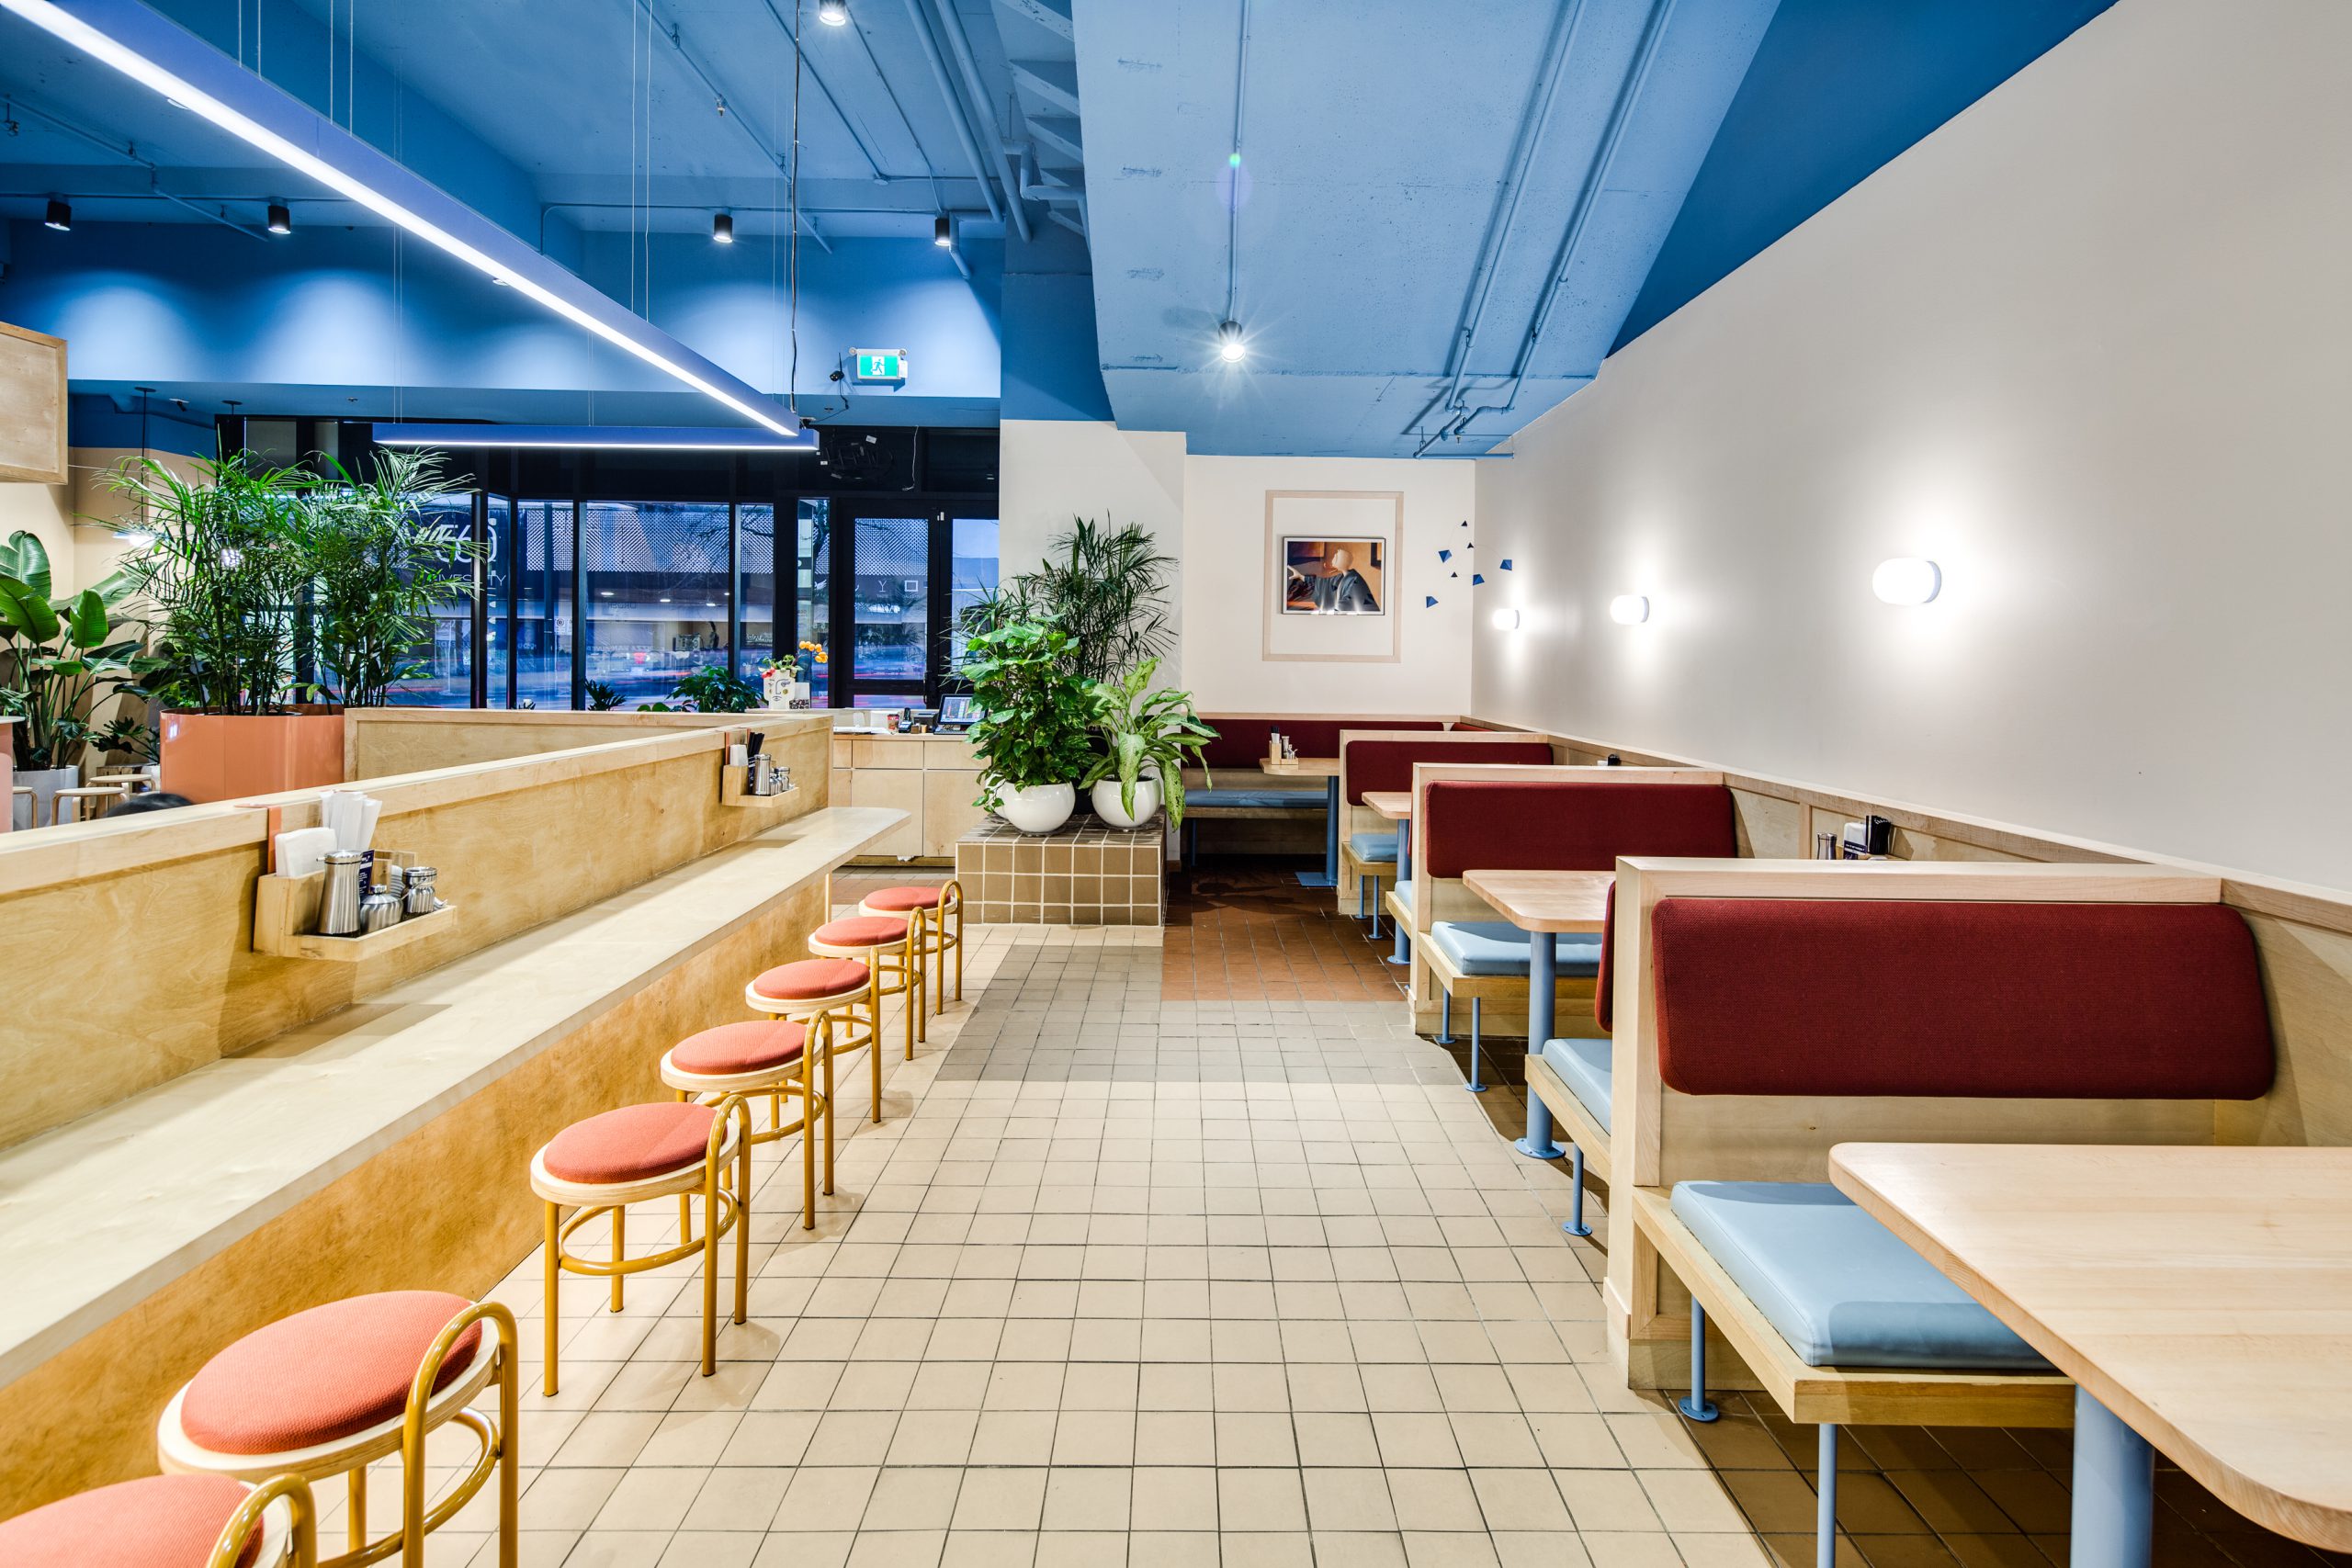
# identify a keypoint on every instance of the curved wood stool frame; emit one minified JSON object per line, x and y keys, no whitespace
{"x":494,"y":1360}
{"x":884,"y":960}
{"x":713,"y":1087}
{"x":938,"y":941}
{"x":728,"y":1152}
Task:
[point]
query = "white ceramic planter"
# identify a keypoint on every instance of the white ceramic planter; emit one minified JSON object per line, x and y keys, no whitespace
{"x":42,"y":804}
{"x":1040,"y":808}
{"x":1106,"y":800}
{"x":775,"y":689}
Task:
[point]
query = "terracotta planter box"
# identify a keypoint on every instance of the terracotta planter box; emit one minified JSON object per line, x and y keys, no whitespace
{"x":210,"y":756}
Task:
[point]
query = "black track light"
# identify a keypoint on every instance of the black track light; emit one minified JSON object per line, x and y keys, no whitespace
{"x":282,"y":221}
{"x":941,"y":234}
{"x":722,"y":228}
{"x":60,"y":217}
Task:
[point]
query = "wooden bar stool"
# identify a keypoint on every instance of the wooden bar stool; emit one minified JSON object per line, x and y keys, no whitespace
{"x":170,"y":1521}
{"x":602,"y":1165}
{"x":97,"y":798}
{"x":932,"y":906}
{"x":329,"y":1390}
{"x":749,"y":1058}
{"x":888,"y":945}
{"x":828,"y":994}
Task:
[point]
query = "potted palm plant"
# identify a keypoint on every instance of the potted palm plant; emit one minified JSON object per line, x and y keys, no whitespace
{"x":1031,"y":736}
{"x":378,"y":566}
{"x":230,"y":559}
{"x":61,"y":658}
{"x":1150,"y":735}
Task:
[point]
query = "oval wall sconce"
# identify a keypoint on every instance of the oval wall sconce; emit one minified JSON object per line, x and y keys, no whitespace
{"x":1506,"y":619}
{"x":1908,"y":580}
{"x":1629,"y":609}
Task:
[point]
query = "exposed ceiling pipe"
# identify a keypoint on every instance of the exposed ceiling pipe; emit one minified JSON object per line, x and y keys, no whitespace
{"x":1035,"y":188}
{"x":956,"y":112}
{"x":1619,"y":114}
{"x":807,"y":224}
{"x":962,"y":49}
{"x":1499,"y":223}
{"x":678,"y":42}
{"x":128,"y":153}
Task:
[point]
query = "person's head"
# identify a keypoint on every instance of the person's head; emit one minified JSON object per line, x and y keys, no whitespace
{"x":153,"y":800}
{"x":1341,"y":559}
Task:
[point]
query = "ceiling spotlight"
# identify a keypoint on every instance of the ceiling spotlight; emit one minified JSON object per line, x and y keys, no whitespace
{"x":282,"y":221}
{"x":833,"y":13}
{"x":1907,"y":579}
{"x":1229,"y":346}
{"x":1629,"y":609}
{"x":941,"y":234}
{"x":722,"y":228}
{"x":1506,"y":619}
{"x":60,"y":217}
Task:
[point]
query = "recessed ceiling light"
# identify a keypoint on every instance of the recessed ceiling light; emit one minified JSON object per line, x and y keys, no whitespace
{"x":1229,"y":346}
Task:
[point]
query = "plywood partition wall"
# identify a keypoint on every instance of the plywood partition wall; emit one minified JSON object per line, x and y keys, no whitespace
{"x":381,"y":743}
{"x":127,"y":945}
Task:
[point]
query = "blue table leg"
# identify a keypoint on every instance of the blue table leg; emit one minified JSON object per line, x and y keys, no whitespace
{"x":1403,"y":953}
{"x":2115,"y":1490}
{"x":1542,"y":976}
{"x":1330,"y":875}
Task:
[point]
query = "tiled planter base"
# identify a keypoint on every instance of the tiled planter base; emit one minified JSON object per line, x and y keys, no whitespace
{"x":1082,"y":875}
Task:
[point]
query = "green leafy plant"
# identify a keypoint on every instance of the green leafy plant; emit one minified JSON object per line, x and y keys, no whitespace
{"x":1145,"y":728}
{"x":602,"y":698}
{"x":229,"y":556}
{"x":1107,"y":590}
{"x":1033,"y":724}
{"x":378,"y":566}
{"x":61,"y":656}
{"x":713,"y":688}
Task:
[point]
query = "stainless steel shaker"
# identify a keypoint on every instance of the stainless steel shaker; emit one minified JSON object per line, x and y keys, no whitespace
{"x":421,"y":899}
{"x":379,"y":911}
{"x":347,"y":886}
{"x":762,"y":780}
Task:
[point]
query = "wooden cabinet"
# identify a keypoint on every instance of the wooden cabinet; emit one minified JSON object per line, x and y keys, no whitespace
{"x":933,"y":779}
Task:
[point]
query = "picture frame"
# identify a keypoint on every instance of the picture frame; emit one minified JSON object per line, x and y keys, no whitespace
{"x":1368,"y":523}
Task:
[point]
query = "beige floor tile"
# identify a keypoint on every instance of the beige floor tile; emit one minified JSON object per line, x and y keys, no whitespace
{"x":1434,"y":1500}
{"x":989,"y":1548}
{"x":1348,"y":1500}
{"x":1005,"y":1499}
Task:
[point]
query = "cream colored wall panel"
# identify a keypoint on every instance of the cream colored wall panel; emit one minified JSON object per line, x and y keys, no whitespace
{"x":896,"y":789}
{"x":948,"y":808}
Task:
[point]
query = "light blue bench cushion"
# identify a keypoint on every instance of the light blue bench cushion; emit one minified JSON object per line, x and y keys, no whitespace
{"x":1404,"y":891}
{"x":1297,"y":799}
{"x":1842,"y":1288}
{"x":1497,"y":947}
{"x":1374,"y":846}
{"x":1584,"y":1067}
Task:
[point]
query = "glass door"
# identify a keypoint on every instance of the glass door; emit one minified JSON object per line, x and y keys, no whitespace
{"x":888,"y":608}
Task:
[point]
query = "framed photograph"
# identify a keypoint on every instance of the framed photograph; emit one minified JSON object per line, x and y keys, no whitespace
{"x":1334,"y":580}
{"x":1335,"y":577}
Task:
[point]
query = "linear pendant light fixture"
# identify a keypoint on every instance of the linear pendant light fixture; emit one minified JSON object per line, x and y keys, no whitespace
{"x":157,"y":52}
{"x":608,"y":437}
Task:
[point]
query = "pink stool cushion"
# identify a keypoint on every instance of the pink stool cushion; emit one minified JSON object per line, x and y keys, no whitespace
{"x":630,"y":1143}
{"x":811,"y":977}
{"x":159,"y":1521}
{"x":322,"y":1374}
{"x":863,"y":930}
{"x":739,"y":1047}
{"x":905,"y":899}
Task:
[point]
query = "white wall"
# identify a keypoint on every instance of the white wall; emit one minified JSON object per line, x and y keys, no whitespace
{"x":1050,"y":472}
{"x":2086,"y":346}
{"x":1226,"y":588}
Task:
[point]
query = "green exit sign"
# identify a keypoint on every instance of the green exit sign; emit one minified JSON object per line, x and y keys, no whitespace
{"x":881,"y":363}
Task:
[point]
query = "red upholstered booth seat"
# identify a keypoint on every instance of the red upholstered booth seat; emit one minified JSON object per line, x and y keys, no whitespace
{"x":1543,"y":825}
{"x":322,"y":1374}
{"x":1869,"y":997}
{"x":1242,"y":742}
{"x":1604,"y":989}
{"x":1388,"y":764}
{"x":158,"y":1521}
{"x":630,"y":1143}
{"x":733,"y":1048}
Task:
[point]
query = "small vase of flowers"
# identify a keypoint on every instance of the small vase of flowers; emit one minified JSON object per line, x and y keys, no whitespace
{"x":780,"y":683}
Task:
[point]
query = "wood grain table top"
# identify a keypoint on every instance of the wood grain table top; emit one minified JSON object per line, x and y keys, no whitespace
{"x":1302,"y":767}
{"x":1546,"y":901}
{"x":1396,"y":804}
{"x":2204,"y":1294}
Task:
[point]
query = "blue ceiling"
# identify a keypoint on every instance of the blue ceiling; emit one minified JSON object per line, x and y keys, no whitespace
{"x":1674,"y":139}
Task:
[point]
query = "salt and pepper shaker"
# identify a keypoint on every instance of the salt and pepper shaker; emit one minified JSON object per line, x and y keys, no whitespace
{"x":421,"y":897}
{"x":379,"y":911}
{"x":339,"y":910}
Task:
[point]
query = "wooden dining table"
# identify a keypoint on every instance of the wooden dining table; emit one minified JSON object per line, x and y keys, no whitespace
{"x":1328,"y":769}
{"x":1545,"y":904}
{"x":2200,"y":1297}
{"x":1395,"y":805}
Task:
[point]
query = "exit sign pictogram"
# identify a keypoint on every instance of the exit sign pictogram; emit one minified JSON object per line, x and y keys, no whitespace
{"x":881,"y":365}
